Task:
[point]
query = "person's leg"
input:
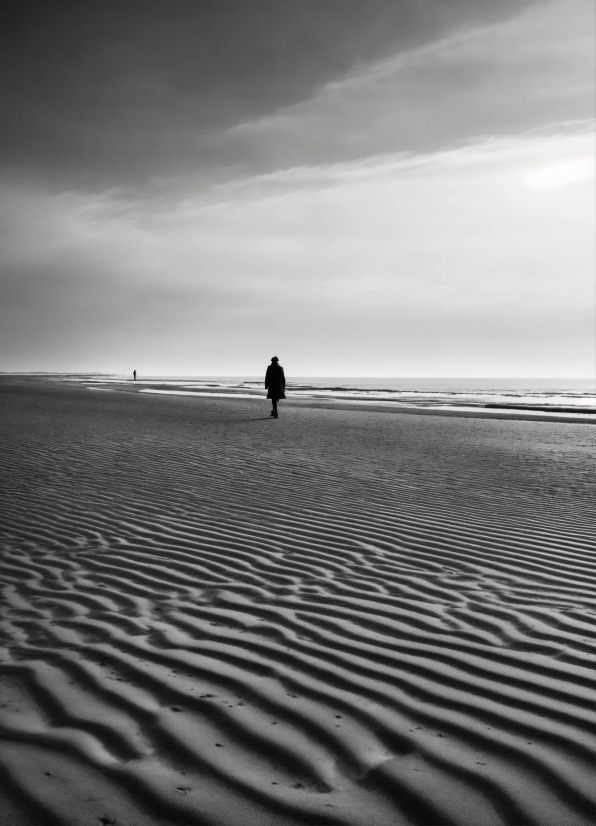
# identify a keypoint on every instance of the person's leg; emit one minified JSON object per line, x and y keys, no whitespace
{"x":274,"y":407}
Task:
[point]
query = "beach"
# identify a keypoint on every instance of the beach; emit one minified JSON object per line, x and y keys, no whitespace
{"x":343,"y":616}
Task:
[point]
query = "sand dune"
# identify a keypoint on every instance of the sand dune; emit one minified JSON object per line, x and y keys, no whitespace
{"x":337,"y":617}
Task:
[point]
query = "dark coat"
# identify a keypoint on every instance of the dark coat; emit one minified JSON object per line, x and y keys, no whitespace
{"x":275,"y":382}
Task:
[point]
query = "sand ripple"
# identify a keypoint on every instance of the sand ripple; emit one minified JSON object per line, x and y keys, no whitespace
{"x":194,"y":632}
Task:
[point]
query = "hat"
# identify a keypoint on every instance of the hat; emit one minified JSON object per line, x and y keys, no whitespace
{"x":274,"y":358}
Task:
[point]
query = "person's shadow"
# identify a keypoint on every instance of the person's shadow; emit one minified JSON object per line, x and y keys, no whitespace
{"x":257,"y":419}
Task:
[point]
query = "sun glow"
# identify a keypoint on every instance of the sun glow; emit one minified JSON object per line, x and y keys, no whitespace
{"x":560,"y":174}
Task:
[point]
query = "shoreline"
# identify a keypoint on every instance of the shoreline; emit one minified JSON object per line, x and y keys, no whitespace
{"x":488,"y":411}
{"x":493,"y":411}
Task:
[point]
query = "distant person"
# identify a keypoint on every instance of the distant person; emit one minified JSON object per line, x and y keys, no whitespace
{"x":275,"y":382}
{"x":134,"y":375}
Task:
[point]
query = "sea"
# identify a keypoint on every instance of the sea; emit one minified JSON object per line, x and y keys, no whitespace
{"x":564,"y":397}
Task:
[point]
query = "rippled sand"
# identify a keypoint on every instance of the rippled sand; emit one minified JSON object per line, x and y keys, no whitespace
{"x":339,"y":616}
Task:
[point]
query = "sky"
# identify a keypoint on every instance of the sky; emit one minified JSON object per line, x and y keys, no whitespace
{"x":379,"y":188}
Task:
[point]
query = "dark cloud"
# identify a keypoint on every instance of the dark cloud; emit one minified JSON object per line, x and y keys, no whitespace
{"x":125,"y":90}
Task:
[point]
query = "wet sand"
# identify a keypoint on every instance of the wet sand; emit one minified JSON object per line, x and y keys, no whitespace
{"x":340,"y":616}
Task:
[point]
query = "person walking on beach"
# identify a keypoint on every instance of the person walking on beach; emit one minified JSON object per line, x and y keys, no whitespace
{"x":134,"y":375}
{"x":275,"y":382}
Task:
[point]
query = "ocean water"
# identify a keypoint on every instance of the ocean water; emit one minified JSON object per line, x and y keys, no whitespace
{"x":431,"y":392}
{"x":563,"y":396}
